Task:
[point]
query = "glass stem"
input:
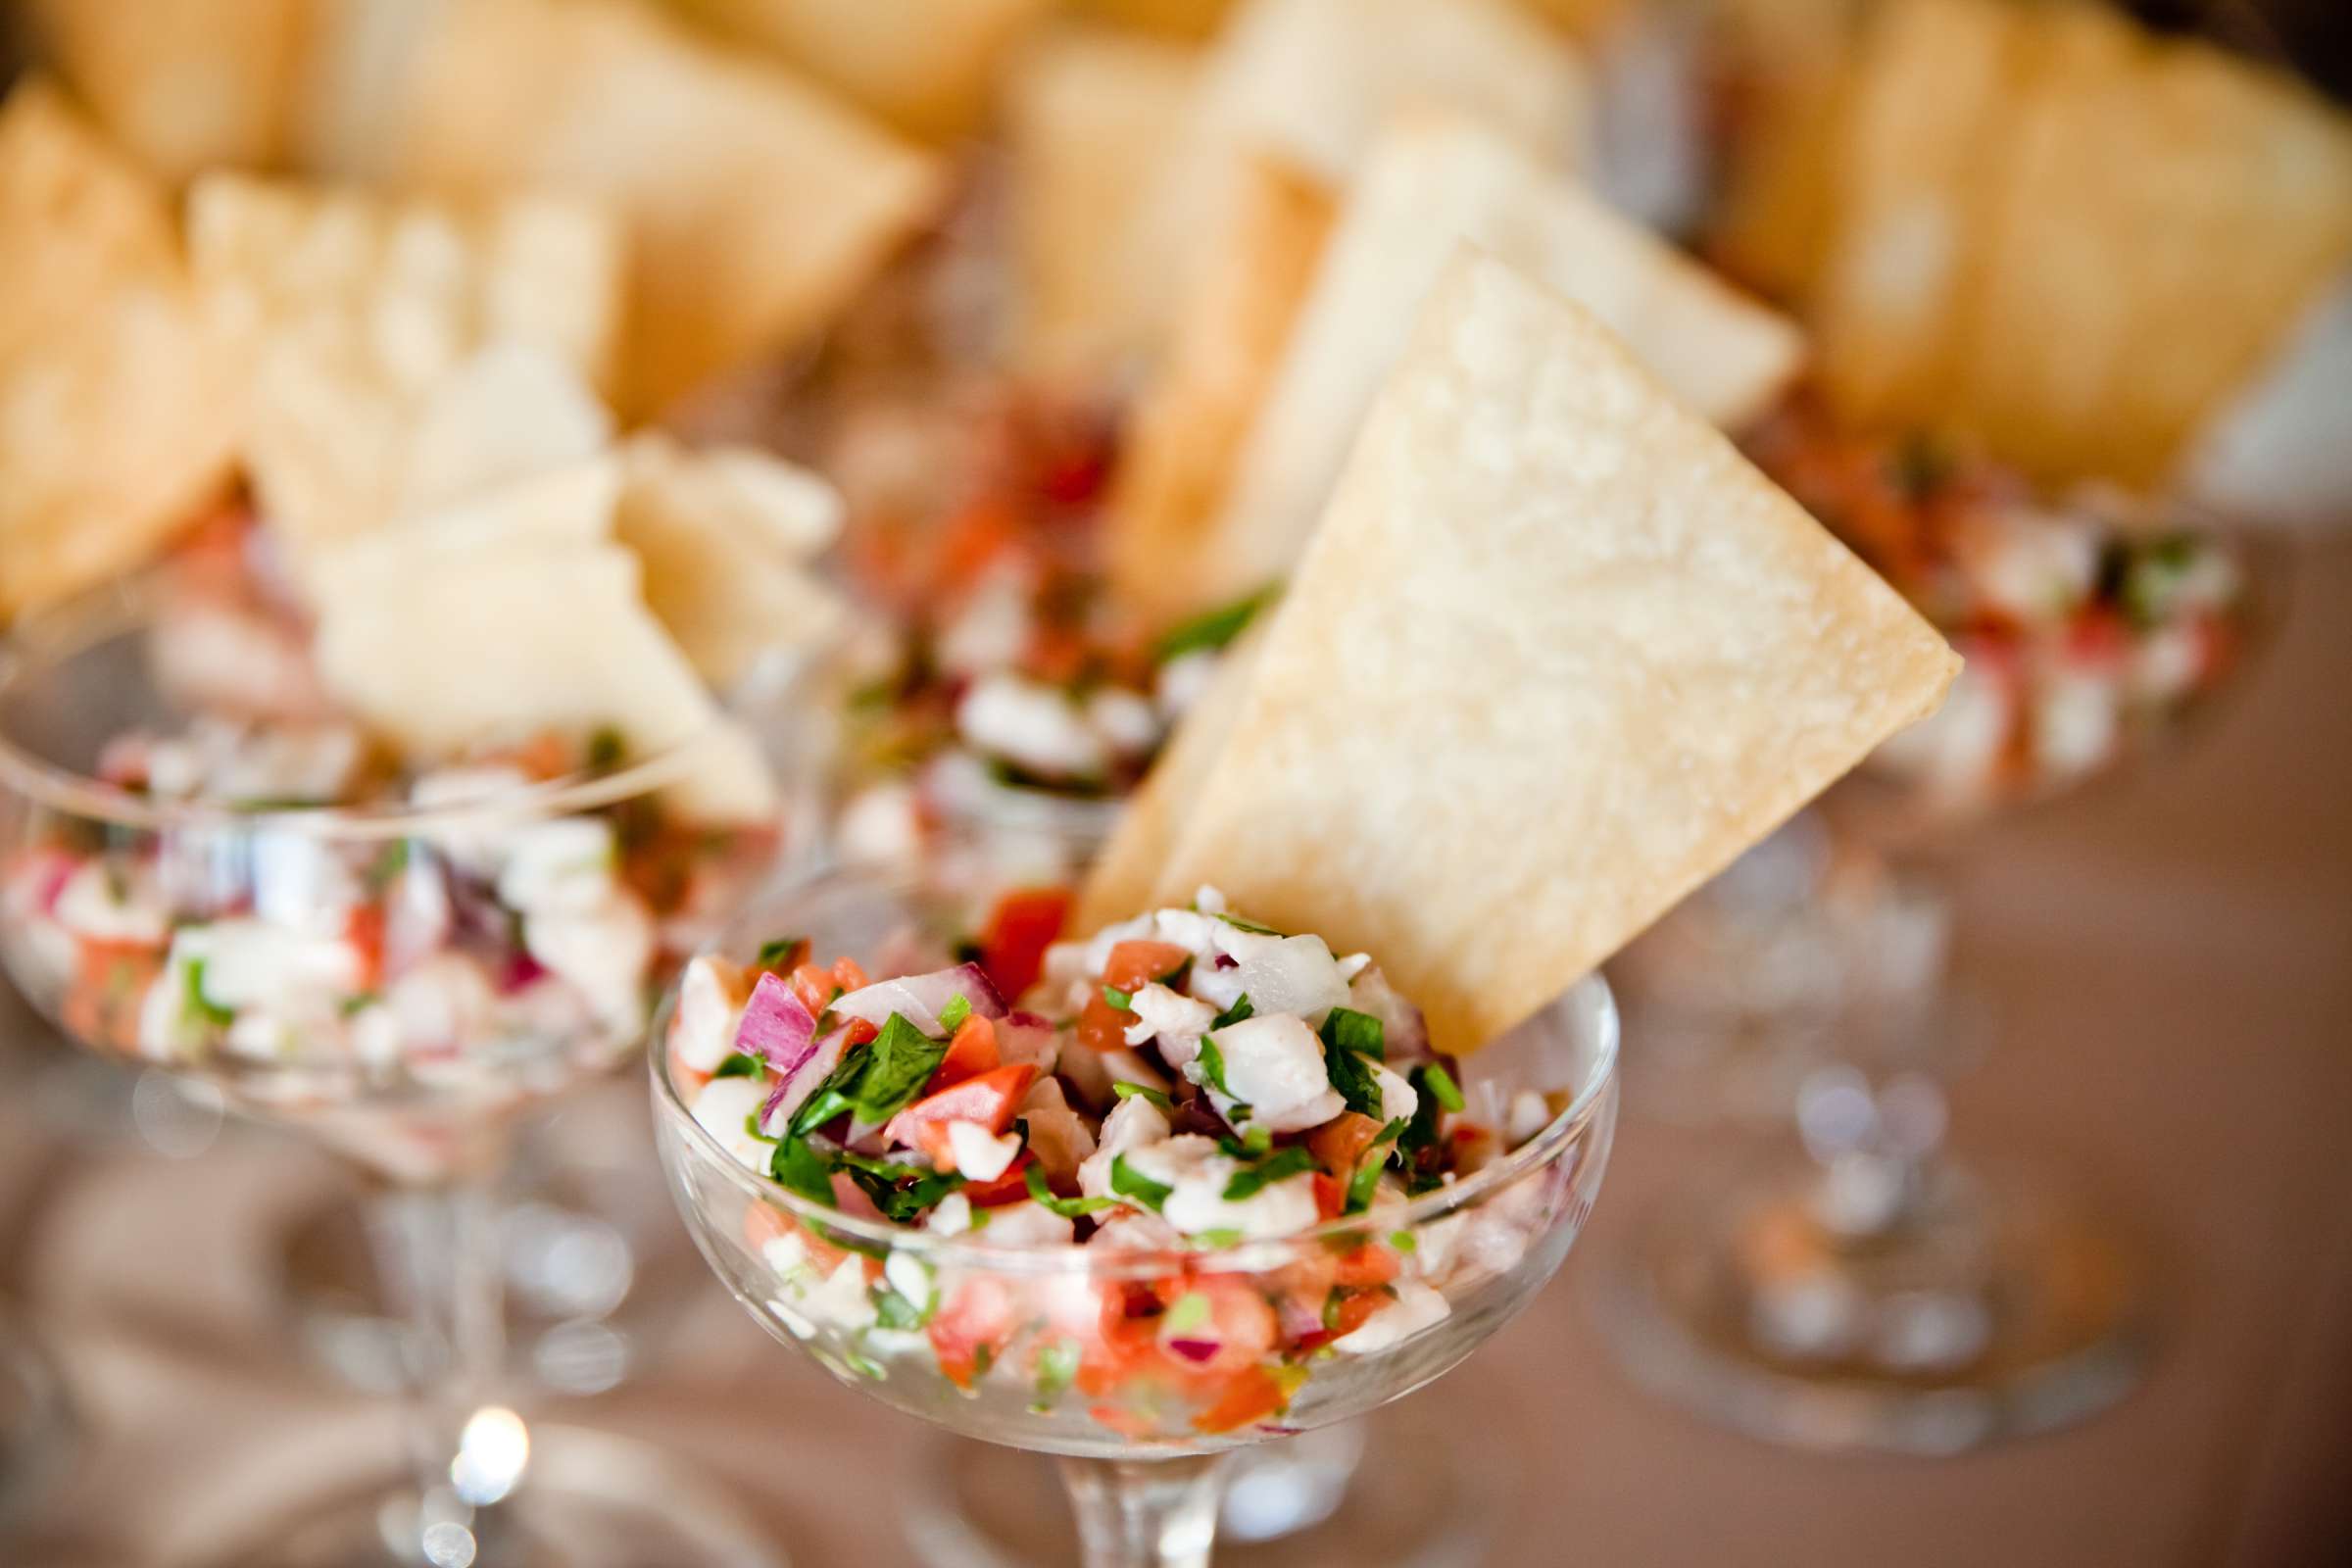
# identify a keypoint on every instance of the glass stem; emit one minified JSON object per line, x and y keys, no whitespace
{"x":1145,"y":1513}
{"x":437,"y":1250}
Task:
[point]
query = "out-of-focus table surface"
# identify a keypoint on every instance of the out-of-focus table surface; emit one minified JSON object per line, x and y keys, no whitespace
{"x":2171,"y":961}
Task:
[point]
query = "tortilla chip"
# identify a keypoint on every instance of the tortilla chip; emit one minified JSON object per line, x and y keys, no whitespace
{"x":1315,"y":81}
{"x":356,"y":313}
{"x":755,"y":204}
{"x":1435,"y":180}
{"x":1794,"y":64}
{"x":187,"y":86}
{"x":1920,"y":135}
{"x":925,"y":65}
{"x":118,"y":418}
{"x":1557,"y":655}
{"x":1173,"y":19}
{"x":1190,"y":425}
{"x":510,"y":626}
{"x":723,"y":537}
{"x":2167,"y":216}
{"x":1586,"y":18}
{"x":1090,"y":116}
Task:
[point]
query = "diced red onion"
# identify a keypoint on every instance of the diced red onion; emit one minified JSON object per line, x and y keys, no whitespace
{"x":793,"y":1090}
{"x":922,"y":996}
{"x":1198,"y":1351}
{"x":777,"y":1026}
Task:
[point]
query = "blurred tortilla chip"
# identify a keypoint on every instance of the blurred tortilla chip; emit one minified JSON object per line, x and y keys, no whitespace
{"x":756,"y":205}
{"x":1190,"y":425}
{"x":119,"y":419}
{"x":1315,"y":81}
{"x":1433,"y":182}
{"x":402,"y":351}
{"x":1921,"y":134}
{"x":723,"y":537}
{"x":1793,"y":61}
{"x":1556,"y":656}
{"x":187,"y":86}
{"x":1174,"y":19}
{"x":1090,"y":116}
{"x":444,"y":637}
{"x":925,"y":65}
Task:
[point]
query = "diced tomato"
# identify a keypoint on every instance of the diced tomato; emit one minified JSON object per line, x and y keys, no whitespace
{"x":973,"y":538}
{"x":1011,"y":1187}
{"x":1241,"y":1324}
{"x":1021,"y":928}
{"x":1365,"y":1266}
{"x":2098,"y":637}
{"x":858,"y":1032}
{"x":978,"y":1314}
{"x":988,"y":1099}
{"x":847,"y":974}
{"x":109,"y":989}
{"x":971,"y":1053}
{"x":1350,"y":1313}
{"x":363,"y":930}
{"x":1134,"y":965}
{"x":814,"y":987}
{"x":1254,"y":1395}
{"x":1126,"y":1423}
{"x":1340,"y":1143}
{"x":1331,"y":1195}
{"x":1057,"y":655}
{"x":762,"y":1225}
{"x":1102,"y":1026}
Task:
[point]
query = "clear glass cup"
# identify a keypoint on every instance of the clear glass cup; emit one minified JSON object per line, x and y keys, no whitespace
{"x":1862,"y":1284}
{"x":1048,"y":1349}
{"x":368,"y":975}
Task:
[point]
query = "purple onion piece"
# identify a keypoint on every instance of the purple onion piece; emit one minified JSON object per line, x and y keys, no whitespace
{"x":777,"y":1026}
{"x":1198,"y":1351}
{"x":792,"y":1091}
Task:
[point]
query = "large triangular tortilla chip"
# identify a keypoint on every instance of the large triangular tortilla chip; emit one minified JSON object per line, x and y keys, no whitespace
{"x":1191,"y":425}
{"x":925,"y":65}
{"x":1921,"y":132}
{"x":1090,"y":116}
{"x":119,"y":417}
{"x":757,"y":204}
{"x":450,"y":633}
{"x":187,"y":86}
{"x":1433,"y":182}
{"x":1556,"y":656}
{"x":362,"y":321}
{"x":1315,"y":81}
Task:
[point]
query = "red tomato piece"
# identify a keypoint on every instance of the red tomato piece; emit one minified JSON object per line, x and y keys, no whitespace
{"x":849,"y":976}
{"x":1340,"y":1143}
{"x":363,"y":929}
{"x":977,"y":1315}
{"x":988,"y":1099}
{"x":1009,"y":1188}
{"x":1102,"y":1026}
{"x":814,"y":986}
{"x":971,"y":1053}
{"x":1366,"y":1266}
{"x":1134,"y":965}
{"x":1254,"y":1395}
{"x":1331,"y":1195}
{"x":1021,"y":928}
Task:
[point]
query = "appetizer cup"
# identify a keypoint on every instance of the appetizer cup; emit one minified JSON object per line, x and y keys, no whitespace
{"x":397,"y":979}
{"x":1141,"y":1367}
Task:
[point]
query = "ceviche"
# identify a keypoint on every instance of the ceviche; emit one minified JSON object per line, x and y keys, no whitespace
{"x":2088,"y":625}
{"x":1182,"y":1086}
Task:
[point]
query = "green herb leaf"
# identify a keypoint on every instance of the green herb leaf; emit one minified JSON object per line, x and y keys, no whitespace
{"x":893,"y":1312}
{"x":1280,"y":1165}
{"x":1251,"y":926}
{"x":1366,"y":1180}
{"x":605,"y":747}
{"x":1128,"y":1182}
{"x":1234,"y":1014}
{"x":899,"y":1062}
{"x":1118,"y":999}
{"x":740,"y":1065}
{"x":1436,"y":1080}
{"x":1346,"y":1029}
{"x":1351,"y":1075}
{"x":1212,"y":629}
{"x":781,"y":954}
{"x":833,"y":1097}
{"x":1404,"y":1241}
{"x":1188,"y":1312}
{"x":879,"y":1180}
{"x":1125,"y":1090}
{"x":802,"y":1170}
{"x":1066,"y":1208}
{"x":1212,"y":1072}
{"x":201,"y":1007}
{"x":951,"y":1017}
{"x":1220,"y":1237}
{"x":1057,"y":1370}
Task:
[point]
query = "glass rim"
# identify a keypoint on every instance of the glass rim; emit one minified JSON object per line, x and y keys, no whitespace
{"x":57,"y":633}
{"x":972,"y":1251}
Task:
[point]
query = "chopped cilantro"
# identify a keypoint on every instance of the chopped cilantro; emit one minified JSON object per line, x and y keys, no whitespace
{"x":203,"y":1008}
{"x":1212,"y":1072}
{"x":893,"y":1312}
{"x":951,"y":1017}
{"x":832,"y":1096}
{"x":1127,"y":1182}
{"x":1280,"y":1165}
{"x":1057,"y":1370}
{"x":751,"y":1125}
{"x":1366,"y":1180}
{"x":1190,"y":1312}
{"x":389,"y":863}
{"x":1066,"y":1208}
{"x":802,"y":1170}
{"x":1125,"y":1090}
{"x":353,"y":1006}
{"x":1212,"y":629}
{"x":1234,"y":1014}
{"x":879,"y":1180}
{"x":740,"y":1065}
{"x":1346,"y":1029}
{"x":1351,"y":1075}
{"x":1254,"y":1141}
{"x":1436,"y":1080}
{"x":1118,"y":999}
{"x":1220,"y":1237}
{"x":605,"y":747}
{"x":899,"y":1062}
{"x":1251,"y":926}
{"x":782,"y":954}
{"x":1404,"y":1241}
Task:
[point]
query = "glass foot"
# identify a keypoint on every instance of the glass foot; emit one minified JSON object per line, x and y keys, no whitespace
{"x":1991,"y":1309}
{"x":597,"y":1270}
{"x":589,"y":1500}
{"x":1389,"y":1492}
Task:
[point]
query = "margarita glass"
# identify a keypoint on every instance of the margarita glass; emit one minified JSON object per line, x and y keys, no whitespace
{"x":1014,"y":1343}
{"x":401,"y":977}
